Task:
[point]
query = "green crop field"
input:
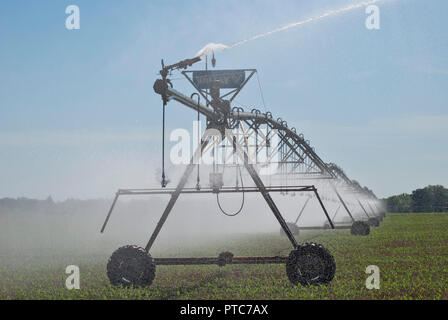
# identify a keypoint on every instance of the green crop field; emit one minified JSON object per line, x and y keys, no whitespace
{"x":410,"y":250}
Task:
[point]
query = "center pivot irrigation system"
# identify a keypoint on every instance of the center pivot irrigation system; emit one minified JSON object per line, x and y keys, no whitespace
{"x":292,"y":157}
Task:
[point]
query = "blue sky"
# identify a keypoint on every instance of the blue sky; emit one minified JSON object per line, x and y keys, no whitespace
{"x":79,"y":118}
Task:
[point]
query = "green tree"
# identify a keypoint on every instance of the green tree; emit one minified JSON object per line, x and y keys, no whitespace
{"x":400,"y":203}
{"x":430,"y":199}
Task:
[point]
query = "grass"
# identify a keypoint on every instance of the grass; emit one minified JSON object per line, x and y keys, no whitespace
{"x":410,"y":250}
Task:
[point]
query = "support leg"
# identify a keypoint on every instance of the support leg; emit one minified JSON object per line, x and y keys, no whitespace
{"x":371,"y":209}
{"x":175,"y":195}
{"x":343,"y":203}
{"x":259,"y":183}
{"x":364,"y":209}
{"x":323,"y":208}
{"x":110,"y":212}
{"x":336,"y":212}
{"x":301,"y":211}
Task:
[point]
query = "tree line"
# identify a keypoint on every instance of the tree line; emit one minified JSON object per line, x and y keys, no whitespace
{"x":429,"y":199}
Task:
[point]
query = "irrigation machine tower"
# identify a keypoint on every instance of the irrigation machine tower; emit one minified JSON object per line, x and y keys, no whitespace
{"x":274,"y":145}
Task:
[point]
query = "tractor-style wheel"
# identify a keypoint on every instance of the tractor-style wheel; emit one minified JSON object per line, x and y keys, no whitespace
{"x":310,"y":264}
{"x":360,"y":228}
{"x":131,"y":266}
{"x":225,"y":258}
{"x":374,"y":222}
{"x":293,"y":227}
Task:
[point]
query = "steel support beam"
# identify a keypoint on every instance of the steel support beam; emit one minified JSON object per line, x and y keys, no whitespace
{"x":177,"y":192}
{"x":323,"y":208}
{"x":267,"y":197}
{"x":362,"y":207}
{"x":343,"y":203}
{"x":217,"y":261}
{"x":301,"y":211}
{"x":110,"y":212}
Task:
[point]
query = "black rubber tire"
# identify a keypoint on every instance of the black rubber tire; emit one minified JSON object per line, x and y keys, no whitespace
{"x":310,"y":264}
{"x":293,"y":227}
{"x":225,"y":258}
{"x":374,"y":222}
{"x":131,"y":266}
{"x":360,"y":228}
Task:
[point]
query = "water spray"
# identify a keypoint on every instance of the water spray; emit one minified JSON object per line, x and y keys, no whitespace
{"x":215,"y":47}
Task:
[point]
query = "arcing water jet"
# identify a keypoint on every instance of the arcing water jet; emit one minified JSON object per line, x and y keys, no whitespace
{"x":214,"y":47}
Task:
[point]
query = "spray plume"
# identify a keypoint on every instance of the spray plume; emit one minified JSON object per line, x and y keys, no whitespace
{"x":214,"y":47}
